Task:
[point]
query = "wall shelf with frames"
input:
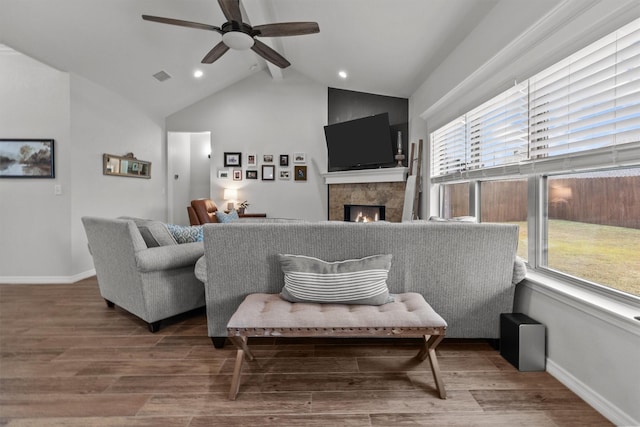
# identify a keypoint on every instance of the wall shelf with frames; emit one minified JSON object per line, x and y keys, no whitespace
{"x":126,"y":165}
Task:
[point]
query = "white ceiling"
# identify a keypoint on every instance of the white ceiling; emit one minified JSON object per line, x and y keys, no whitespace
{"x":388,"y":47}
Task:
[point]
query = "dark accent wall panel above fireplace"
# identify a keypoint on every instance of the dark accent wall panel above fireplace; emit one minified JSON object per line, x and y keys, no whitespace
{"x":345,"y":105}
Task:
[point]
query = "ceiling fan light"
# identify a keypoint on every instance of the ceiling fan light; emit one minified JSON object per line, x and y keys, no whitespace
{"x":238,"y":40}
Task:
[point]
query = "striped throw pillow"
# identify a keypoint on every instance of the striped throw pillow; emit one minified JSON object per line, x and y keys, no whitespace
{"x":353,"y":281}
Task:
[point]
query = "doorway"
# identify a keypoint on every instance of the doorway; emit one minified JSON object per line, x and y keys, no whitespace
{"x":188,"y":172}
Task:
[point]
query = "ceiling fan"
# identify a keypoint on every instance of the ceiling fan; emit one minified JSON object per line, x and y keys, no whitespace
{"x":241,"y":36}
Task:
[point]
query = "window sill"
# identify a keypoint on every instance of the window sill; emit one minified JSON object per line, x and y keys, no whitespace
{"x":612,"y":310}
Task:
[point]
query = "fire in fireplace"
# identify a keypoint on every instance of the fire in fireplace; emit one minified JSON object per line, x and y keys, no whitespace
{"x":363,"y":213}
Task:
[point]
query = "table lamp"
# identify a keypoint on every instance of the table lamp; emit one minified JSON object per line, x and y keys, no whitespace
{"x":231,"y":195}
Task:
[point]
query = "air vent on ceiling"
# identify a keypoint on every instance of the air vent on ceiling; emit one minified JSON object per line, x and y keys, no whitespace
{"x":162,"y":76}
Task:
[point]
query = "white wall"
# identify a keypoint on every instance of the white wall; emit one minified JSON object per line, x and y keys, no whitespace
{"x":42,"y":236}
{"x":594,"y":352}
{"x":103,"y":122}
{"x":265,"y":116}
{"x":598,"y":360}
{"x":35,"y":227}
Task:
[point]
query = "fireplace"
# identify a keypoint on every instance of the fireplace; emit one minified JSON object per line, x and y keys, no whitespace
{"x":363,"y":213}
{"x":388,"y":194}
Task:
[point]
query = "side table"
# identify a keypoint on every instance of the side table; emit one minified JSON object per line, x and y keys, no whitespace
{"x":253,"y":215}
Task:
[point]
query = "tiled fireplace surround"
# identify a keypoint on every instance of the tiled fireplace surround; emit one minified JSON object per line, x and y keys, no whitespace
{"x":389,"y":194}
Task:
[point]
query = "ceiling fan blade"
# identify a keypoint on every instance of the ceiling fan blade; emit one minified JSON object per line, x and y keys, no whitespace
{"x":181,"y":23}
{"x":231,"y":10}
{"x":215,"y":53}
{"x":287,"y":29}
{"x":269,"y":54}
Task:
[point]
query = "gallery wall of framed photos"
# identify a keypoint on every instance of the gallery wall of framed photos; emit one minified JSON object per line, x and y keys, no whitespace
{"x":264,"y":167}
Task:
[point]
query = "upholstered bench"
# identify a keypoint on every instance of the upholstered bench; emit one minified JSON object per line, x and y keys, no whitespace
{"x":268,"y":315}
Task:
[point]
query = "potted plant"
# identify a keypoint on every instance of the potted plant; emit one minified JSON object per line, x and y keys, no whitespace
{"x":242,"y":207}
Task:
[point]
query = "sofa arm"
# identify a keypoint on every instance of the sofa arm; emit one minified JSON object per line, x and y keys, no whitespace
{"x":201,"y":269}
{"x":519,"y":271}
{"x":169,"y":257}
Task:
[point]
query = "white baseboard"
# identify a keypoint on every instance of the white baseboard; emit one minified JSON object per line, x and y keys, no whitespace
{"x":46,"y":280}
{"x":599,"y":403}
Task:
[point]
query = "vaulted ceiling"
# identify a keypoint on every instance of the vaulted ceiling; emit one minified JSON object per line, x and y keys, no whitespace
{"x":387,"y":47}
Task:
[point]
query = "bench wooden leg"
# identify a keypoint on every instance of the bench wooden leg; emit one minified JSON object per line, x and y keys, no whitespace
{"x":237,"y":372}
{"x":241,"y":342}
{"x":429,"y":350}
{"x":243,"y":351}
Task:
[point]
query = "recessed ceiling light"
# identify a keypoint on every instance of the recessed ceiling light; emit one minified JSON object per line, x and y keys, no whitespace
{"x":197,"y":74}
{"x":342,"y":74}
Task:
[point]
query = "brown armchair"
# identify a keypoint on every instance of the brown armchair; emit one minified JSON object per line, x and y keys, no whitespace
{"x":204,"y":211}
{"x":193,"y":218}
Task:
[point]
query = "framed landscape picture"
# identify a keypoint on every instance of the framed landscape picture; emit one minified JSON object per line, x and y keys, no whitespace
{"x":26,"y":158}
{"x":252,"y":174}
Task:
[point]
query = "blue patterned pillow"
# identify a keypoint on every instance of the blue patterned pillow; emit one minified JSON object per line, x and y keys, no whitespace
{"x":186,"y":234}
{"x":225,"y":218}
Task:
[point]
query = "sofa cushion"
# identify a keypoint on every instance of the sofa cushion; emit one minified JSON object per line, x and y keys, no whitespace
{"x":227,"y":217}
{"x":186,"y":233}
{"x":154,"y":233}
{"x":353,"y":281}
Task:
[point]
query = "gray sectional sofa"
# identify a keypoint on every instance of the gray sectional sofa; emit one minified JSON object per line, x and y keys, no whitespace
{"x":465,"y":271}
{"x":141,"y":268}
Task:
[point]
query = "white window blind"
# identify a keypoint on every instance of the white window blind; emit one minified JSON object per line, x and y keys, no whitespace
{"x":497,"y":130}
{"x":589,"y":100}
{"x":449,"y":150}
{"x":586,"y":102}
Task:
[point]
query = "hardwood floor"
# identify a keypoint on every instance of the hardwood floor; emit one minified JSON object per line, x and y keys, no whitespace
{"x":68,"y":360}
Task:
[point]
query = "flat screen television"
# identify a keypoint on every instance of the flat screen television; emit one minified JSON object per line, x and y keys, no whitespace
{"x":364,"y":143}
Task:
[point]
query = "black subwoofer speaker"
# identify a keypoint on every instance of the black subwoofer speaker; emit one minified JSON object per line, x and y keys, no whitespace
{"x":522,"y":341}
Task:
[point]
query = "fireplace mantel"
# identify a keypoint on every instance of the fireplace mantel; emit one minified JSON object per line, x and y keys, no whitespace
{"x":398,"y":174}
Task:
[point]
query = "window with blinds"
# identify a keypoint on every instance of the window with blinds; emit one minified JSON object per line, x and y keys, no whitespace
{"x":588,"y":101}
{"x":497,"y":130}
{"x":449,"y":149}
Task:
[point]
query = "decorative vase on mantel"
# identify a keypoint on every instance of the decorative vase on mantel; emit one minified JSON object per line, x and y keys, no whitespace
{"x":399,"y":157}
